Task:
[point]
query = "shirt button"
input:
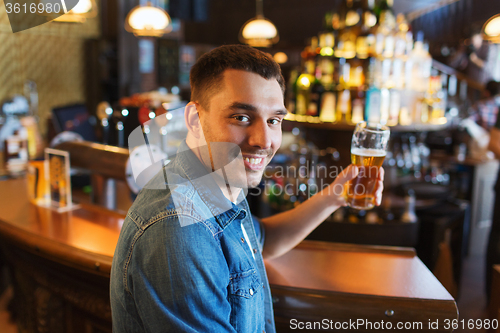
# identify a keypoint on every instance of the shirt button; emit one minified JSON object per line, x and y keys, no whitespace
{"x":269,"y":321}
{"x":251,"y":292}
{"x":242,"y":240}
{"x":254,"y":250}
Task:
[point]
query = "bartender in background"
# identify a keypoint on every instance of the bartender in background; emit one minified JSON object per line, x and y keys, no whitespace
{"x":487,"y":109}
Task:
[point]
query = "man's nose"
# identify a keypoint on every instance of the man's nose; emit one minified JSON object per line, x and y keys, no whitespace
{"x":260,"y":135}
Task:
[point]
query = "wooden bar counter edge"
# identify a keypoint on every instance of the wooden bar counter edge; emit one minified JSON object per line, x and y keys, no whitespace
{"x":61,"y":263}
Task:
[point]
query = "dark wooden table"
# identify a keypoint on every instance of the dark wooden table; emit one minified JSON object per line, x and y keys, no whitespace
{"x":61,"y":264}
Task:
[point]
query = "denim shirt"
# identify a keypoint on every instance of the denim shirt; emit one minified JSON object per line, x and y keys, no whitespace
{"x":182,"y":263}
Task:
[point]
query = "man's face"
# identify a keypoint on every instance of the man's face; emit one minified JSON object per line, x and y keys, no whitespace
{"x":247,"y":111}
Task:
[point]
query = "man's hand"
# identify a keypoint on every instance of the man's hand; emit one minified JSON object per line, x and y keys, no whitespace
{"x":379,"y":187}
{"x":336,"y":189}
{"x":287,"y":229}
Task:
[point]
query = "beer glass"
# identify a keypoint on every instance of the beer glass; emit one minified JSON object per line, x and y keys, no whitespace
{"x":368,"y":149}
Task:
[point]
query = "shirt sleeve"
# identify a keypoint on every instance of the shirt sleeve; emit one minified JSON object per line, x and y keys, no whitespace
{"x":178,"y":278}
{"x":259,"y":231}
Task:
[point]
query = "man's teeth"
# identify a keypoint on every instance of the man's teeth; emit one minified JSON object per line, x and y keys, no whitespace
{"x":253,"y":160}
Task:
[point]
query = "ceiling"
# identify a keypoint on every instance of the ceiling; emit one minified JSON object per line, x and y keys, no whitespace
{"x":296,"y":20}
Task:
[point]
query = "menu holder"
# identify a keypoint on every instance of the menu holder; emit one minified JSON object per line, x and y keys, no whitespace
{"x":38,"y":190}
{"x":57,"y":173}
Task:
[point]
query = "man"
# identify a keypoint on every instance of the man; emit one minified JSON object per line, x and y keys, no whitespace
{"x":493,"y":249}
{"x":190,"y":255}
{"x":486,"y":109}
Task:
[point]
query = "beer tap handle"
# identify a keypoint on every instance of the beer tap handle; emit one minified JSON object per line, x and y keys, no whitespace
{"x":103,"y":113}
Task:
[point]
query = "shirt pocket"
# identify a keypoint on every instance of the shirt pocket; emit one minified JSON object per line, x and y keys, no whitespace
{"x":246,"y":297}
{"x":245,"y":284}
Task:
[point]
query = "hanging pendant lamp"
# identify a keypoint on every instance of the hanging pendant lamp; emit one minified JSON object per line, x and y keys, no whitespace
{"x":491,"y":29}
{"x":259,"y":31}
{"x":82,"y":11}
{"x":148,"y":21}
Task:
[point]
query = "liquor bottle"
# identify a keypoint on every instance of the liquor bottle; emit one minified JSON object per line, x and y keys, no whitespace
{"x":385,"y":73}
{"x":400,"y":41}
{"x":316,"y":94}
{"x":387,"y":215}
{"x":357,"y":107}
{"x":385,"y":31}
{"x":354,"y":14}
{"x":346,"y":47}
{"x":291,"y":92}
{"x":16,"y":151}
{"x":344,"y":106}
{"x":328,"y":103}
{"x":385,"y":100}
{"x":369,"y":18}
{"x":420,"y":70}
{"x":326,"y":45}
{"x":372,"y":108}
{"x":409,"y":215}
{"x":366,"y":39}
{"x":304,"y":85}
{"x":344,"y":94}
{"x":453,"y":101}
{"x":356,"y":76}
{"x":397,"y":80}
{"x":372,"y":218}
{"x":394,"y":107}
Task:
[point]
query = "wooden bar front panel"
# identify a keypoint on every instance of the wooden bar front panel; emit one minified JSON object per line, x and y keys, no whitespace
{"x":345,"y":283}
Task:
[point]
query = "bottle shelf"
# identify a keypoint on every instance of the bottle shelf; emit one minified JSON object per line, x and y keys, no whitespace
{"x":313,"y":122}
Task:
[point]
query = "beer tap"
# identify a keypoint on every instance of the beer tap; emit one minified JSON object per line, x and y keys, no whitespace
{"x":104,"y":189}
{"x":119,"y":117}
{"x":103,"y":112}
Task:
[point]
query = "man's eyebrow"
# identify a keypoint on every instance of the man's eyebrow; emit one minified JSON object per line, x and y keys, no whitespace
{"x":282,"y":112}
{"x":242,"y":106}
{"x":250,"y":107}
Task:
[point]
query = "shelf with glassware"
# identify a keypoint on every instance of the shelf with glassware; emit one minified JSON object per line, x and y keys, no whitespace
{"x":361,"y":70}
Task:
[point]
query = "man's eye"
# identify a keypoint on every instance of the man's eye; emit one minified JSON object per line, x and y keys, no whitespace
{"x":242,"y":118}
{"x":274,"y":121}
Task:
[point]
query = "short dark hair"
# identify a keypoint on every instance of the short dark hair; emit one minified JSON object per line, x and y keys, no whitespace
{"x":492,"y":87}
{"x":206,"y":74}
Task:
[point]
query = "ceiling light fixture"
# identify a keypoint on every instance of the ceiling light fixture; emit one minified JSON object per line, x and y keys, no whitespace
{"x":148,"y":21}
{"x":82,"y":11}
{"x":259,"y":31}
{"x":491,"y":29}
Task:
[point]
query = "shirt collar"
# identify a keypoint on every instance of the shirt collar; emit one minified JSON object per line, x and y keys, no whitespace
{"x":223,"y":210}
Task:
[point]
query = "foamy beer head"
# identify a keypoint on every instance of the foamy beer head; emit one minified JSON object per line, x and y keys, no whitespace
{"x":368,"y":150}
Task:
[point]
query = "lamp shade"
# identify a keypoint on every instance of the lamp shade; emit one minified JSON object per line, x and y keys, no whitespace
{"x":491,"y":29}
{"x":83,"y":10}
{"x":82,"y":7}
{"x":148,"y":21}
{"x":259,"y":32}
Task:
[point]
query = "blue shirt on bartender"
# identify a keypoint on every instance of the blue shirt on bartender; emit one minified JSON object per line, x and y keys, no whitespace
{"x":182,"y":262}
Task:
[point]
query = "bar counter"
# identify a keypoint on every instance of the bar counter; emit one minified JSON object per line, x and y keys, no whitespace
{"x":61,"y":263}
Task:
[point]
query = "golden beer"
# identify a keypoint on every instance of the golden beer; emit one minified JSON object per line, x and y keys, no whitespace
{"x":360,"y":191}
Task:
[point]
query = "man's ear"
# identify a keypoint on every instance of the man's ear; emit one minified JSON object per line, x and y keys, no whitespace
{"x":192,"y":119}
